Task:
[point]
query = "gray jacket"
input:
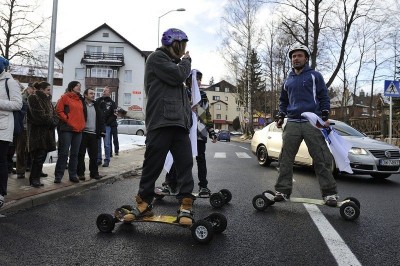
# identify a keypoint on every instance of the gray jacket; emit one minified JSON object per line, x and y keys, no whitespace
{"x":167,"y":101}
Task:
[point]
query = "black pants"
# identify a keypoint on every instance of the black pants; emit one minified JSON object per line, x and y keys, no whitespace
{"x":38,"y":159}
{"x":114,"y":140}
{"x":10,"y":155}
{"x":90,"y":143}
{"x":170,"y":178}
{"x":158,"y":143}
{"x":3,"y":167}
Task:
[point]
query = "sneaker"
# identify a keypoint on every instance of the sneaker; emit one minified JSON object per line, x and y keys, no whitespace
{"x":204,"y":192}
{"x":82,"y":177}
{"x":281,"y":197}
{"x":74,"y":180}
{"x":98,"y":162}
{"x":20,"y":176}
{"x":1,"y":200}
{"x":106,"y":164}
{"x":169,"y":190}
{"x":331,"y":200}
{"x":116,"y":154}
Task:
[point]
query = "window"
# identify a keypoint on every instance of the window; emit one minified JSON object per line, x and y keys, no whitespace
{"x":79,"y":73}
{"x":98,"y":72}
{"x":215,"y":98}
{"x":226,"y":89}
{"x":216,"y":88}
{"x":218,"y":116}
{"x":333,"y":112}
{"x":127,"y":98}
{"x":106,"y":34}
{"x":93,"y":49}
{"x":128,"y":76}
{"x":238,"y":108}
{"x":116,"y":50}
{"x":218,"y":107}
{"x":226,"y":98}
{"x":98,"y":92}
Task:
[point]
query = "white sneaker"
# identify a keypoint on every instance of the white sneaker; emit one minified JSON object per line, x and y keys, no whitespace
{"x":1,"y":201}
{"x":331,"y":200}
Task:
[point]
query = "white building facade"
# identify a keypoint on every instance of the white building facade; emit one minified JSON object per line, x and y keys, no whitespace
{"x":105,"y":58}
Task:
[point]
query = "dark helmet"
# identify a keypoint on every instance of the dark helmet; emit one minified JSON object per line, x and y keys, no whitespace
{"x":299,"y":47}
{"x":171,"y":35}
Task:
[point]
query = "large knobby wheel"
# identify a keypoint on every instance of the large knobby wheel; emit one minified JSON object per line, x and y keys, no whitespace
{"x":202,"y":231}
{"x":227,"y":195}
{"x":218,"y":222}
{"x":349,"y":211}
{"x":262,"y":156}
{"x":105,"y":223}
{"x":217,"y":200}
{"x":356,"y":201}
{"x":260,"y":202}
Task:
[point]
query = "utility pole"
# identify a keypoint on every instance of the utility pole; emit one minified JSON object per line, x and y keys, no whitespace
{"x":50,"y":71}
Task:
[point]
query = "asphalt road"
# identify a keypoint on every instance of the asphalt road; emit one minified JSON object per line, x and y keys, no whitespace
{"x":64,"y":232}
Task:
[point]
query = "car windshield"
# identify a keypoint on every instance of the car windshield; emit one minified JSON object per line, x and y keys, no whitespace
{"x":346,"y":130}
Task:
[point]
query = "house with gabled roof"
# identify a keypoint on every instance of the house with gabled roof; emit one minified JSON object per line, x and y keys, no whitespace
{"x":225,"y":104}
{"x":102,"y":58}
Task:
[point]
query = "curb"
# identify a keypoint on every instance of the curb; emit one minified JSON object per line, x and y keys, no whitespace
{"x":55,"y":194}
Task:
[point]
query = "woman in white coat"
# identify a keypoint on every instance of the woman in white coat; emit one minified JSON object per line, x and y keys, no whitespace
{"x":7,"y":106}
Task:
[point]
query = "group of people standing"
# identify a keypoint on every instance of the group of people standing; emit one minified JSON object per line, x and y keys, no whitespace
{"x":81,"y":122}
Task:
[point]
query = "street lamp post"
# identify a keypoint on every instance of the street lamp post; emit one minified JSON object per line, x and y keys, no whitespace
{"x":158,"y":32}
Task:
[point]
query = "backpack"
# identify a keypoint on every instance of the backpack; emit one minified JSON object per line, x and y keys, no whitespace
{"x":19,"y":115}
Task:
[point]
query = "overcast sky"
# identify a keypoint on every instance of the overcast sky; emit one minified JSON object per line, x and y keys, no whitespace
{"x":137,"y":21}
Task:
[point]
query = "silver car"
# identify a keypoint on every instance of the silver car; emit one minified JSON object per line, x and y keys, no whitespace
{"x":131,"y":127}
{"x":367,"y":156}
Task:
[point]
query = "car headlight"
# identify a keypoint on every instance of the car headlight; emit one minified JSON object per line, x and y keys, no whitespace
{"x":358,"y":151}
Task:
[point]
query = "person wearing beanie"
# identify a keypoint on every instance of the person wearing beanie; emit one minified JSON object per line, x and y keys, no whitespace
{"x":9,"y":102}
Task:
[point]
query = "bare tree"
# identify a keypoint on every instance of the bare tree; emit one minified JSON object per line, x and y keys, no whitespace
{"x":240,"y":36}
{"x":21,"y":30}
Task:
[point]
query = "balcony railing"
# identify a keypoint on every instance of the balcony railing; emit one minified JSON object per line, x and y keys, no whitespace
{"x":102,"y":82}
{"x":113,"y":59}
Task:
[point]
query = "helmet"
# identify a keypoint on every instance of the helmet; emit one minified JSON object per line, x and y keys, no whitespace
{"x":3,"y":64}
{"x":171,"y":35}
{"x":297,"y":47}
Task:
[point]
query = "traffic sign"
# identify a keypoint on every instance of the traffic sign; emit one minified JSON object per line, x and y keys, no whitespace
{"x":392,"y":88}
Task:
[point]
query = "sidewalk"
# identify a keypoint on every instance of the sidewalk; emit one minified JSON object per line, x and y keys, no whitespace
{"x":20,"y":195}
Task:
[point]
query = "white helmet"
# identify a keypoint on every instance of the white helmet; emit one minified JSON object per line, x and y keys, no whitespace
{"x":298,"y":46}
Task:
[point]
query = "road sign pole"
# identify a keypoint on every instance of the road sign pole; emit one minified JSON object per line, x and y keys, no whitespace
{"x":390,"y":121}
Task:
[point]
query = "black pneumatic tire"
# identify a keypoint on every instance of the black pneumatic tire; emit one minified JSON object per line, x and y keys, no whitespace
{"x":262,"y":156}
{"x":202,"y":231}
{"x":105,"y":223}
{"x":217,"y":200}
{"x":227,"y":195}
{"x":218,"y":222}
{"x":356,"y":201}
{"x":260,"y":202}
{"x":349,"y":211}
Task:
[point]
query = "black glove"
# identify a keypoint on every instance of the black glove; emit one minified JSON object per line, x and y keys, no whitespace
{"x":325,"y":115}
{"x":212,"y":134}
{"x":280,"y":119}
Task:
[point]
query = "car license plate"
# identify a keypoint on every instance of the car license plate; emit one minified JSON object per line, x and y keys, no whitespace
{"x":390,"y":162}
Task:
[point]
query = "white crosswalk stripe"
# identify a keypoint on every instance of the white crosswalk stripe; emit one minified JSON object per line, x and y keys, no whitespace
{"x":223,"y":155}
{"x":242,"y":155}
{"x":220,"y":155}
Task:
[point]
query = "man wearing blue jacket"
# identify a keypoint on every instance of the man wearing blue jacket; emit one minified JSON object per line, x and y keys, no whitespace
{"x":304,"y":91}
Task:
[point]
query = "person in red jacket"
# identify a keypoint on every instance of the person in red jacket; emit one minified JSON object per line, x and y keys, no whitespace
{"x":72,"y":122}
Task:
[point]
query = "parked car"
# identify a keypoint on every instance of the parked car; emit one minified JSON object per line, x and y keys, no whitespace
{"x":131,"y":127}
{"x":224,"y":135}
{"x":367,"y":156}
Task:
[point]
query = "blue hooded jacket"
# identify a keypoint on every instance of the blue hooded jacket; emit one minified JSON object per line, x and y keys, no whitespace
{"x":304,"y":92}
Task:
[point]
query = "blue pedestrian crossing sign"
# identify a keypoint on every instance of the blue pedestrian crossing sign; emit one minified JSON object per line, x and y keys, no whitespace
{"x":392,"y":88}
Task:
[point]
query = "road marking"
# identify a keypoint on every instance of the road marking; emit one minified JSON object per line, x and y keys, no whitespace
{"x":242,"y":155}
{"x":340,"y":251}
{"x":220,"y":155}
